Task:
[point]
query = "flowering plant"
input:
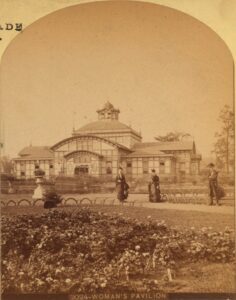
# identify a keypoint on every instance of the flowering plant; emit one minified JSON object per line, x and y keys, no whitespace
{"x":81,"y":251}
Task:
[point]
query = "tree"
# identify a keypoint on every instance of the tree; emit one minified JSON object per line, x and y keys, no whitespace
{"x":172,"y":137}
{"x":224,"y":145}
{"x":6,"y":165}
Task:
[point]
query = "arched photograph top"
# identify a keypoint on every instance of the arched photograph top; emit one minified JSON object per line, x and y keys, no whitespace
{"x":126,"y":107}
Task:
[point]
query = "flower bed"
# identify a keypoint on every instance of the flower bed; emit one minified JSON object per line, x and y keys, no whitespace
{"x":79,"y":251}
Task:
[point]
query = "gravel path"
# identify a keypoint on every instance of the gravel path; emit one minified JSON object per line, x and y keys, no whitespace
{"x":139,"y":200}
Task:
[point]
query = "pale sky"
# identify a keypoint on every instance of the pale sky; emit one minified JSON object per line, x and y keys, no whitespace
{"x":163,"y":69}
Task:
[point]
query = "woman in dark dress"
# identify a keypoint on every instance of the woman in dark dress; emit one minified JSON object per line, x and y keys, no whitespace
{"x":121,"y":186}
{"x":154,"y":188}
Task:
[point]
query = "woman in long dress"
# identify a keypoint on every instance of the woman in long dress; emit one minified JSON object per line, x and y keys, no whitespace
{"x":121,"y":186}
{"x":154,"y":188}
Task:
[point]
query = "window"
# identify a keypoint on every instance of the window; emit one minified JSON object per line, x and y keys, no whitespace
{"x":140,"y":163}
{"x":22,"y":173}
{"x":145,"y":166}
{"x":90,"y":144}
{"x":109,"y":167}
{"x":156,"y":164}
{"x":135,"y":163}
{"x":182,"y":167}
{"x":129,"y":167}
{"x":151,"y":162}
{"x":109,"y":152}
{"x":72,"y":146}
{"x":108,"y":170}
{"x":162,"y":167}
{"x":84,"y":145}
{"x":114,"y":163}
{"x":51,"y":166}
{"x":167,"y":169}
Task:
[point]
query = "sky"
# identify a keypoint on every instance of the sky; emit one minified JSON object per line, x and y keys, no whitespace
{"x":163,"y":69}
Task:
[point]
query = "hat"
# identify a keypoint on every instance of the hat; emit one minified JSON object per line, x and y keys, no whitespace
{"x":153,"y":170}
{"x":120,"y":168}
{"x":211,"y":165}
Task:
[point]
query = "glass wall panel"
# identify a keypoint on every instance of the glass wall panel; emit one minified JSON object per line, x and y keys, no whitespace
{"x":156,"y":164}
{"x":90,"y":145}
{"x":41,"y":164}
{"x":114,"y":163}
{"x":27,"y":166}
{"x":72,"y":146}
{"x":140,"y":170}
{"x":145,"y":166}
{"x":167,"y":162}
{"x":182,"y":166}
{"x":150,"y":163}
{"x":79,"y":145}
{"x":84,"y":145}
{"x":167,"y":169}
{"x":134,"y":163}
{"x":162,"y":167}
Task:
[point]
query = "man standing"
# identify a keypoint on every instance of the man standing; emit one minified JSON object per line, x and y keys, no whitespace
{"x":121,"y":186}
{"x":213,"y":184}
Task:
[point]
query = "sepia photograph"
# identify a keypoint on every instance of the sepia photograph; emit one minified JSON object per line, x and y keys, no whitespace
{"x":117,"y":150}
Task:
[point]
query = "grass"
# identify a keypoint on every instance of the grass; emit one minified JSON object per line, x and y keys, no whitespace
{"x":178,"y":218}
{"x":207,"y":278}
{"x":196,"y":277}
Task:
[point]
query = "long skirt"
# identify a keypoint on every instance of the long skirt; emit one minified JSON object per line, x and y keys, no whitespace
{"x":154,"y":193}
{"x":120,"y":188}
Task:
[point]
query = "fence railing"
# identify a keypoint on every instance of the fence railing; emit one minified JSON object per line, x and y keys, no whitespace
{"x":193,"y":196}
{"x":67,"y":201}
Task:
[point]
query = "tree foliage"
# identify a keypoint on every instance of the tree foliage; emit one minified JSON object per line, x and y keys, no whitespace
{"x":172,"y":137}
{"x":224,"y":145}
{"x":6,"y":165}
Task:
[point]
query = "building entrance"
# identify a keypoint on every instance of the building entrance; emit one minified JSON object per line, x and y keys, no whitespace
{"x":81,"y":170}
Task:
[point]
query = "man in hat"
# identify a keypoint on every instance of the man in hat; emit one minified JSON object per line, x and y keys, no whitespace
{"x":154,"y":187}
{"x":213,"y":184}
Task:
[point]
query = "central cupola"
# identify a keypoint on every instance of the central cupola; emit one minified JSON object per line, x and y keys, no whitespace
{"x":108,"y":112}
{"x":109,"y":127}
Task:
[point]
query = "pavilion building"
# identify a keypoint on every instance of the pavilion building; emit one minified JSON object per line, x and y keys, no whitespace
{"x":101,"y":147}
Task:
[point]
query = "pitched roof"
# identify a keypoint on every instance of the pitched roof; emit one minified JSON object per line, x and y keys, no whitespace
{"x":81,"y":136}
{"x":36,"y":152}
{"x":105,"y":125}
{"x":147,"y":153}
{"x":164,"y":146}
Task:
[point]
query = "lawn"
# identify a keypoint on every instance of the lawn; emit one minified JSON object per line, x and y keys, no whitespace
{"x":177,"y":218}
{"x":194,"y":276}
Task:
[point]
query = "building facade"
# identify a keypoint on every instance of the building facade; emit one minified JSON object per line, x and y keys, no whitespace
{"x":101,"y":147}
